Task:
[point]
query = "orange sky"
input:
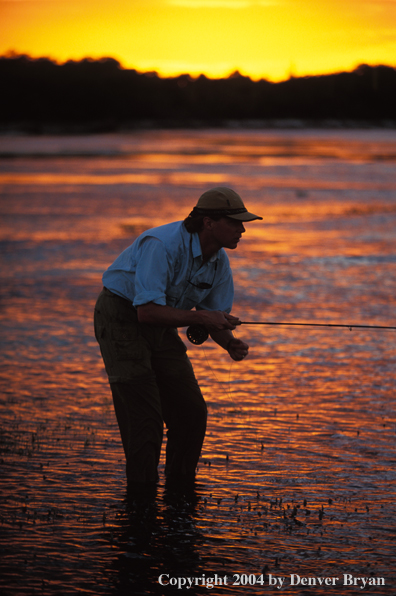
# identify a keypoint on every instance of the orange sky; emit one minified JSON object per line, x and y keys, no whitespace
{"x":260,"y":38}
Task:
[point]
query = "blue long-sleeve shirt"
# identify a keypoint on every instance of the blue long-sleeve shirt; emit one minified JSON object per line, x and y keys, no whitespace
{"x":165,"y":266}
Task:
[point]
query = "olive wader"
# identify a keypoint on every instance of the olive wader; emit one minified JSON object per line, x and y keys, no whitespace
{"x":152,"y":382}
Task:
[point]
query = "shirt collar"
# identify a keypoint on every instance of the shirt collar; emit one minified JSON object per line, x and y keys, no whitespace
{"x":197,"y":251}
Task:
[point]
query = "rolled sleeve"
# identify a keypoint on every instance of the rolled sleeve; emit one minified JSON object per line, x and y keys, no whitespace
{"x":152,"y":271}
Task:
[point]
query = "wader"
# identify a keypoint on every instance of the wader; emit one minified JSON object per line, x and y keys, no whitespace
{"x":152,"y":382}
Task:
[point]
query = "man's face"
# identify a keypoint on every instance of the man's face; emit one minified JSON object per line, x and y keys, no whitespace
{"x":227,"y":232}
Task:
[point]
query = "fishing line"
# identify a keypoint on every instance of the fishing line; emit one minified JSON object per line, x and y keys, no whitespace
{"x":226,"y":392}
{"x":198,"y":334}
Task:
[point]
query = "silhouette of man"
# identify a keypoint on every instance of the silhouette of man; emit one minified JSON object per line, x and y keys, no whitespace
{"x":172,"y":276}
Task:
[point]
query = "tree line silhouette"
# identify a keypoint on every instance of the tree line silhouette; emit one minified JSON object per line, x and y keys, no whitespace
{"x":101,"y":95}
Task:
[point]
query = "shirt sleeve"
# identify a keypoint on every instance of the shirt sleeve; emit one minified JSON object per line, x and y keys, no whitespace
{"x":152,"y":272}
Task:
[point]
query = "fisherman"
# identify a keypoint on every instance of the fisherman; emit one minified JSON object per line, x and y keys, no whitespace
{"x":149,"y":291}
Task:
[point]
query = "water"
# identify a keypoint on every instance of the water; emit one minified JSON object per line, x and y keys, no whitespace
{"x":297,"y":474}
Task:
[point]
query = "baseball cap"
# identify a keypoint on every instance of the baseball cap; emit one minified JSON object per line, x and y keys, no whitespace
{"x":225,"y":202}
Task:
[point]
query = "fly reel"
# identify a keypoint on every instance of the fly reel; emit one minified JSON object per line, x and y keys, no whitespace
{"x":197,"y":334}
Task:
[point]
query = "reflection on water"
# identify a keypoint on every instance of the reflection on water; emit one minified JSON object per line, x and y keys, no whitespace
{"x":298,"y":469}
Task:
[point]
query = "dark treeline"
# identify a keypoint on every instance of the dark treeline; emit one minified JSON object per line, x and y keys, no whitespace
{"x":99,"y":94}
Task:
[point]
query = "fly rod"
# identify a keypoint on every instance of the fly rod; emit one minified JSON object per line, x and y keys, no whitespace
{"x":198,"y":334}
{"x":316,"y":324}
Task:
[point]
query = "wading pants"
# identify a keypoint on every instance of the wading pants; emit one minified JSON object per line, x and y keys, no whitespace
{"x":152,"y":382}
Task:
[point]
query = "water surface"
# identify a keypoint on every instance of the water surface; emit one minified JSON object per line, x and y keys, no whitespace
{"x":297,"y":474}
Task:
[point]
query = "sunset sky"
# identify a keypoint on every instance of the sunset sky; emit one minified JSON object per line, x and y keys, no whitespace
{"x":261,"y":38}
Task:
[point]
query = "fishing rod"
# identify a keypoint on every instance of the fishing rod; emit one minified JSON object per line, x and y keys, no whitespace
{"x":198,"y":334}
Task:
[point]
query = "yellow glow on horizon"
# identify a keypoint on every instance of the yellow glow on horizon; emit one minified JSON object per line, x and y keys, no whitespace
{"x":260,"y":38}
{"x":233,"y":4}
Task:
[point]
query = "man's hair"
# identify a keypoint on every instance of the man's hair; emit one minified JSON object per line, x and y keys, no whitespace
{"x":194,"y":222}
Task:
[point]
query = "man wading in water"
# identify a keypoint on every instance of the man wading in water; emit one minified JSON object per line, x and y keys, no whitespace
{"x":148,"y":292}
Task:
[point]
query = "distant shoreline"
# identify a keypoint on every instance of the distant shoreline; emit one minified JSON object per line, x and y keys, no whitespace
{"x":92,"y":128}
{"x":99,"y":96}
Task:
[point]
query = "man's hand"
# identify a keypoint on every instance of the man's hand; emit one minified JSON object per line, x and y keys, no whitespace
{"x":237,"y":349}
{"x":217,"y":320}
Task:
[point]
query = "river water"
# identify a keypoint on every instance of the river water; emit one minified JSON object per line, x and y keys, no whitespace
{"x":297,"y":476}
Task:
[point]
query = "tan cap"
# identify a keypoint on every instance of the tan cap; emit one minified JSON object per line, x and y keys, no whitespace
{"x":224,"y":202}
